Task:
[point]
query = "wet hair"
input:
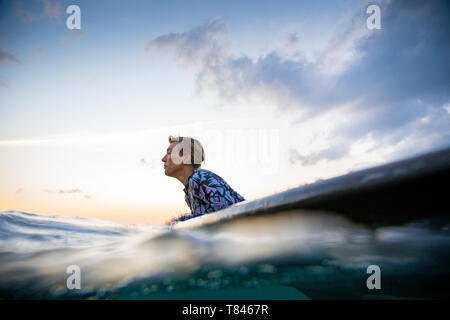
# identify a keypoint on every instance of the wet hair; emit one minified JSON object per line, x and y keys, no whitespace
{"x":196,"y":149}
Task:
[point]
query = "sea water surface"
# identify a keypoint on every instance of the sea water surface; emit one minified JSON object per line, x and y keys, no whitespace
{"x":297,"y":254}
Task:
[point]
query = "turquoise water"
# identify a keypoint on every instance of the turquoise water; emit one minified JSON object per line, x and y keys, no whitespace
{"x":288,"y":255}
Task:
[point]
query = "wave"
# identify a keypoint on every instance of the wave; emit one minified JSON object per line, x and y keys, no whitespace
{"x":322,"y":254}
{"x":26,"y":232}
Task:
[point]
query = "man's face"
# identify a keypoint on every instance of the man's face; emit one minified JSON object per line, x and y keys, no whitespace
{"x":170,"y":167}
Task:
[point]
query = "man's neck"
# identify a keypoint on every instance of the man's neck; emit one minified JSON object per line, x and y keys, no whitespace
{"x":184,"y":174}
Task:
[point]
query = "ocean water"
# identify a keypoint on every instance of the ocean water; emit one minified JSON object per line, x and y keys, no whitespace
{"x":293,"y":254}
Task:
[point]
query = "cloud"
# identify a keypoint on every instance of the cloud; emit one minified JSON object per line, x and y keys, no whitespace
{"x":292,"y":38}
{"x":49,"y":10}
{"x":8,"y":57}
{"x":195,"y":45}
{"x":52,"y":10}
{"x":234,"y":78}
{"x":68,"y":191}
{"x":23,"y":14}
{"x":396,"y":79}
{"x":337,"y":151}
{"x":84,"y":138}
{"x":60,"y":191}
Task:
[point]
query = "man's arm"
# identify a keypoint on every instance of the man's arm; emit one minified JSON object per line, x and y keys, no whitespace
{"x":181,"y":217}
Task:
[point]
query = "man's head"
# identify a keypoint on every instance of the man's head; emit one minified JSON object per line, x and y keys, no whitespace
{"x":182,"y":151}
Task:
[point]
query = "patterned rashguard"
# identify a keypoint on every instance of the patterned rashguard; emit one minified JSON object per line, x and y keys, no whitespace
{"x":206,"y":192}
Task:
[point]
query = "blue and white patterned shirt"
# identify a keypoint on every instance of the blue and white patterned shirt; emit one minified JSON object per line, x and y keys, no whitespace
{"x":206,"y":192}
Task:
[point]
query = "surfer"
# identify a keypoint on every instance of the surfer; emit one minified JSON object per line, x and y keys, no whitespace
{"x":205,"y":191}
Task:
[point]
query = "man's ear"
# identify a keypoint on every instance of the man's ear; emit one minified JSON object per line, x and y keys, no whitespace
{"x":183,"y":147}
{"x":186,"y":159}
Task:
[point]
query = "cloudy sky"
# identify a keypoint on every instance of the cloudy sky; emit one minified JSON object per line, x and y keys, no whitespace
{"x":280,"y":93}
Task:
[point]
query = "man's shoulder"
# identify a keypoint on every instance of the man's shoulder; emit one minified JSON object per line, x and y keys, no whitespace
{"x":205,"y":176}
{"x":201,"y":174}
